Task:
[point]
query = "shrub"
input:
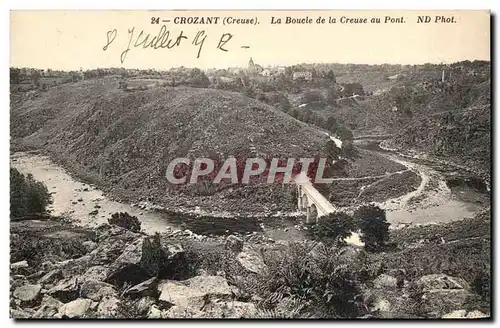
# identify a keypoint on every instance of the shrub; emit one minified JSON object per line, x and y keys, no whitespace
{"x":333,"y":228}
{"x":301,"y":280}
{"x":311,"y":96}
{"x":126,"y":221}
{"x":27,"y":196}
{"x":318,"y":276}
{"x":373,"y":224}
{"x":36,"y":249}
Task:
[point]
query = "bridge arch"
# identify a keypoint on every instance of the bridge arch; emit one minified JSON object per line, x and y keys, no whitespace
{"x":313,"y":213}
{"x":310,"y":201}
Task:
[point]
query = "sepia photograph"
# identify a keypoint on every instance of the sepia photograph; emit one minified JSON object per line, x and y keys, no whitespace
{"x":250,"y":164}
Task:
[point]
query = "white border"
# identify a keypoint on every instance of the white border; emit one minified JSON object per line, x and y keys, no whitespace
{"x":185,"y":4}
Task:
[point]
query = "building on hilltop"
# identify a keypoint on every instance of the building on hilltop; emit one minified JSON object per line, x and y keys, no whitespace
{"x":307,"y":76}
{"x":253,"y":69}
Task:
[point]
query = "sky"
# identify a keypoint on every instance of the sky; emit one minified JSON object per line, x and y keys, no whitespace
{"x":72,"y":40}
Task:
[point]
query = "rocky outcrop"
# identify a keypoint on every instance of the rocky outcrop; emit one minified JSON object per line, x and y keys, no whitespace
{"x":251,"y":260}
{"x":140,"y":261}
{"x":194,"y":292}
{"x":462,"y":314}
{"x":108,"y":307}
{"x":385,"y":281}
{"x":28,"y":294}
{"x":66,"y":290}
{"x":75,"y":309}
{"x":126,"y":274}
{"x":95,"y":290}
{"x":234,"y":244}
{"x":442,"y":294}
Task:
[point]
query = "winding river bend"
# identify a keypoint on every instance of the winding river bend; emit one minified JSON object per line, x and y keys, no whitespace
{"x":433,"y":201}
{"x":79,"y":200}
{"x":436,"y":199}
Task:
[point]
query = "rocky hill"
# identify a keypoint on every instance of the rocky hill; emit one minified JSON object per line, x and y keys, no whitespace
{"x":123,"y":140}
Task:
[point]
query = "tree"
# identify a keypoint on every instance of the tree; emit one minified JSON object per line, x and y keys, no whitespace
{"x":198,"y":78}
{"x":331,"y":124}
{"x":372,"y":222}
{"x":15,"y":75}
{"x":311,"y":96}
{"x":332,"y":95}
{"x":331,"y":76}
{"x":35,"y":78}
{"x":333,"y":228}
{"x":353,"y":89}
{"x":27,"y":196}
{"x":344,"y":133}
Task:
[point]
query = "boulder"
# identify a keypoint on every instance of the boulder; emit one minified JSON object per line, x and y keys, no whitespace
{"x":455,"y":314}
{"x":462,"y":314}
{"x":20,"y":314}
{"x":194,"y":292}
{"x":156,"y":313}
{"x":89,"y":245}
{"x":75,"y":267}
{"x":51,"y":276}
{"x":230,"y":310}
{"x":234,"y":244}
{"x":145,"y":288}
{"x":144,"y":304}
{"x":28,"y":294}
{"x":49,"y":308}
{"x":97,"y":272}
{"x":442,"y":294}
{"x":173,"y":251}
{"x":180,"y":312}
{"x":108,"y":307}
{"x":385,"y":281}
{"x":19,"y":265}
{"x":96,"y":290}
{"x":477,"y":314}
{"x":75,"y":309}
{"x":112,"y":242}
{"x":141,"y":260}
{"x":126,"y":221}
{"x":441,"y":281}
{"x":251,"y":260}
{"x":66,"y":290}
{"x":174,"y":262}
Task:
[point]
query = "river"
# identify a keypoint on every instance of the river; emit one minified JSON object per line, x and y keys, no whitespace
{"x":432,"y":202}
{"x":76,"y":199}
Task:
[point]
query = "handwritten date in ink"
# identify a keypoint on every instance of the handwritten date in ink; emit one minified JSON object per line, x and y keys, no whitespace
{"x":164,"y":39}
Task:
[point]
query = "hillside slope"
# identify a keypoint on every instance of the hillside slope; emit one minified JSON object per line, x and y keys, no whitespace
{"x":124,"y":141}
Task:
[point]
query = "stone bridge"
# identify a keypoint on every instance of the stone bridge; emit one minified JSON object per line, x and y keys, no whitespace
{"x":312,"y":202}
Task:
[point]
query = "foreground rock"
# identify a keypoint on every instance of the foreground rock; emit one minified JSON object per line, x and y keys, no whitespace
{"x":195,"y":292}
{"x":442,"y":294}
{"x":462,"y":314}
{"x":49,"y":308}
{"x":96,"y":290}
{"x":75,"y":309}
{"x":28,"y":294}
{"x":251,"y":260}
{"x":141,"y":260}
